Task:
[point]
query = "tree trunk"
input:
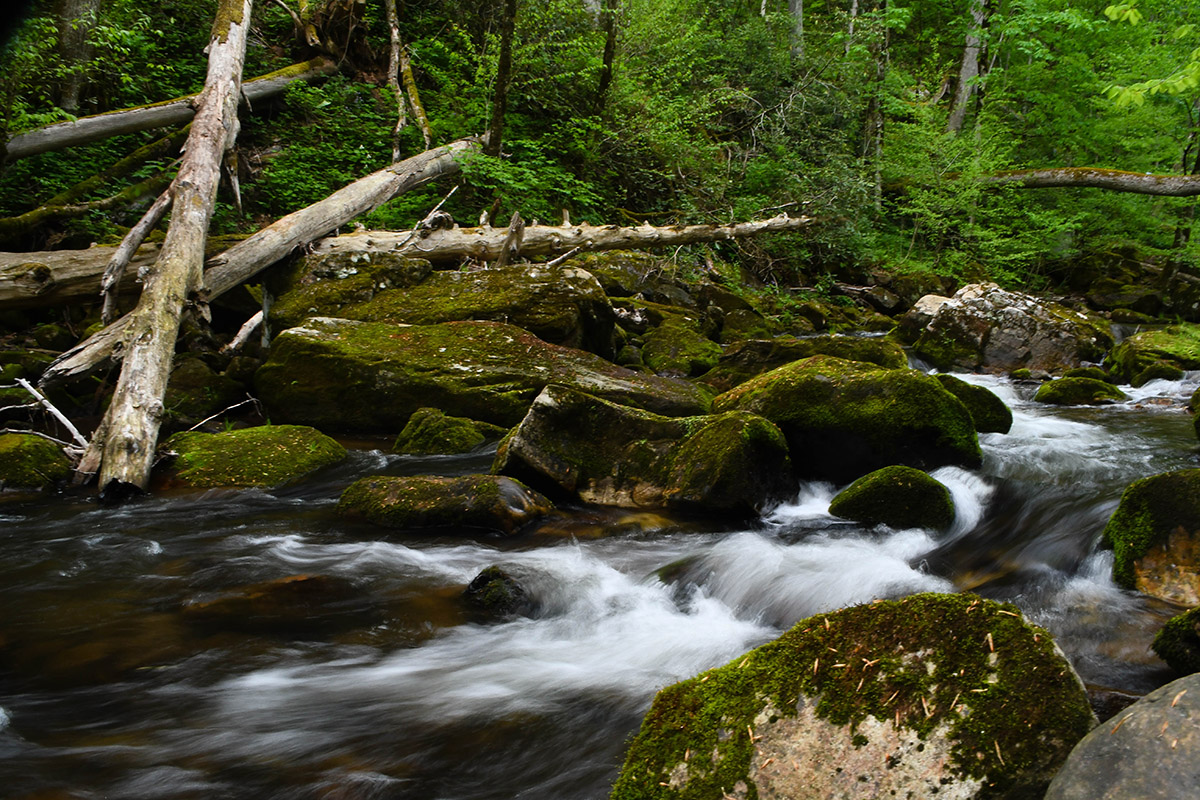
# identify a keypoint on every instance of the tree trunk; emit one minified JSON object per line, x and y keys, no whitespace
{"x":394,"y":75}
{"x":796,"y":9}
{"x":157,"y":115}
{"x":608,"y":23}
{"x":1110,"y":179}
{"x":503,"y":73}
{"x":250,"y":256}
{"x":76,"y":18}
{"x":135,"y":413}
{"x":969,"y":70}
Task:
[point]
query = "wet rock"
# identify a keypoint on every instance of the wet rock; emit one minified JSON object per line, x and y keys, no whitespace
{"x":1178,"y":643}
{"x":628,"y":273}
{"x":196,"y":392}
{"x":744,"y":360}
{"x":930,"y":696}
{"x":986,"y":327}
{"x":1149,"y":750}
{"x":677,"y":348}
{"x":570,"y":442}
{"x":371,"y":376}
{"x":919,"y":316}
{"x":297,"y":603}
{"x":897,"y":496}
{"x":1095,"y":373}
{"x":265,"y":456}
{"x":1159,"y":370}
{"x":495,"y":594}
{"x":464,"y":504}
{"x":430,"y":432}
{"x":988,"y":411}
{"x":1079,"y":392}
{"x":843,"y":419}
{"x":31,"y":462}
{"x":1155,"y":537}
{"x":1177,"y":344}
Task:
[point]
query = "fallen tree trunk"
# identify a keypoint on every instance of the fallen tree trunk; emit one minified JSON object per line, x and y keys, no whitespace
{"x":250,"y":256}
{"x":158,"y":115}
{"x":1091,"y":177}
{"x":57,"y":277}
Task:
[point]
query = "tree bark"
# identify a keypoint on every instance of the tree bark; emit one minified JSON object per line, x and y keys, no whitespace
{"x":503,"y":73}
{"x":969,"y":70}
{"x":394,"y":75}
{"x":796,"y":9}
{"x":1092,"y":177}
{"x":157,"y":115}
{"x":608,"y":22}
{"x":135,"y":413}
{"x":76,"y":18}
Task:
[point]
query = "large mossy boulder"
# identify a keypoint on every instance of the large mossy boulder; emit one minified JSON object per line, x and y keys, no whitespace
{"x":31,"y":462}
{"x":463,"y":504}
{"x":636,"y":273}
{"x":678,"y":348}
{"x":1149,"y":750}
{"x":897,"y":496}
{"x":744,"y":360}
{"x":1079,"y":392}
{"x":571,"y":442}
{"x":323,"y":285}
{"x":1178,"y":345}
{"x":986,"y":327}
{"x":371,"y":376}
{"x":1155,"y":537}
{"x":990,"y":413}
{"x":843,"y":419}
{"x":1178,"y":642}
{"x":195,"y":392}
{"x":929,"y":696}
{"x":266,"y":456}
{"x":430,"y":432}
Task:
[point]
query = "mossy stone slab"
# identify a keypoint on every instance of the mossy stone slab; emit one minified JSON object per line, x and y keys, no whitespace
{"x":265,"y":456}
{"x":463,"y":504}
{"x":747,"y":359}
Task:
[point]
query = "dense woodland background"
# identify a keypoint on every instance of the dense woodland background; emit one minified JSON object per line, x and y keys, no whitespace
{"x":669,"y":111}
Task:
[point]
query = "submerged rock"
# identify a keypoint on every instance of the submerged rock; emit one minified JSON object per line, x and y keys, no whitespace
{"x":601,"y":452}
{"x":1178,"y":345}
{"x":430,"y":432}
{"x":988,"y":411}
{"x":745,"y":360}
{"x":269,"y":455}
{"x":1178,"y":643}
{"x":1150,"y":750}
{"x":986,"y":327}
{"x":1079,"y":392}
{"x":466,"y":503}
{"x":297,"y":603}
{"x":372,"y":376}
{"x":900,"y":497}
{"x":930,"y":696}
{"x":843,"y":419}
{"x":1155,"y":537}
{"x":31,"y":462}
{"x":496,"y":594}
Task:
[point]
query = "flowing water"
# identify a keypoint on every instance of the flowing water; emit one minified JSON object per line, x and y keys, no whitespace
{"x":108,"y":691}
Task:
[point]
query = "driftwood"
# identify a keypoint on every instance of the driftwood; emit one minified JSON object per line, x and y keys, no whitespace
{"x":158,"y":115}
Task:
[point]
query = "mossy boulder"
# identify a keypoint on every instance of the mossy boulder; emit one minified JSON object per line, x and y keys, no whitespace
{"x":843,"y":419}
{"x":430,"y":432}
{"x":1149,"y":750}
{"x":986,"y":327}
{"x":494,"y":594}
{"x":371,"y":376}
{"x":196,"y":392}
{"x":1155,"y":537}
{"x":1079,"y":392}
{"x":678,"y":348}
{"x":576,"y":444}
{"x":464,"y":504}
{"x":1109,"y":293}
{"x":897,"y":496}
{"x":31,"y":462}
{"x":629,"y":273}
{"x":1159,"y":370}
{"x":266,"y":456}
{"x":1178,"y":643}
{"x":1176,"y":344}
{"x":990,"y":413}
{"x":929,"y":696}
{"x":1095,"y":373}
{"x":745,"y":360}
{"x":322,"y":285}
{"x":742,"y":324}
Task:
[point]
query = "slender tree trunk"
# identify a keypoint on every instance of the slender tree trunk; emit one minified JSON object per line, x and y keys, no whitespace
{"x":394,"y":75}
{"x":608,"y":23}
{"x":135,"y":413}
{"x":969,"y":69}
{"x":503,"y":73}
{"x":76,"y":19}
{"x":414,"y":97}
{"x":850,"y":26}
{"x":796,"y":9}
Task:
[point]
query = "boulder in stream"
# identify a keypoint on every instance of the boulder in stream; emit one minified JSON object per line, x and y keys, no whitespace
{"x":1178,"y":345}
{"x":265,"y":456}
{"x":1079,"y":392}
{"x":464,"y":504}
{"x":930,"y":696}
{"x":897,"y":496}
{"x":745,"y":360}
{"x":843,"y":419}
{"x":493,"y":594}
{"x":601,"y":452}
{"x":31,"y":462}
{"x":988,"y":411}
{"x":1149,"y":750}
{"x":1178,"y":642}
{"x":430,"y":432}
{"x":1155,"y":537}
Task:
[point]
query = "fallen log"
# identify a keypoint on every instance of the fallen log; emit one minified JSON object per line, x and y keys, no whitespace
{"x":1092,"y":177}
{"x":157,"y":115}
{"x":57,"y":277}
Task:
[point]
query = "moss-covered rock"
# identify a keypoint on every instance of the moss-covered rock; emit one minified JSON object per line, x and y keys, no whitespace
{"x":463,"y":504}
{"x":322,"y":285}
{"x":990,"y":413}
{"x":843,"y":419}
{"x":1155,"y":537}
{"x":986,"y":327}
{"x":930,"y":696}
{"x":601,"y":452}
{"x":196,"y":392}
{"x":1159,"y":370}
{"x":31,"y":462}
{"x":677,"y":348}
{"x":1178,"y":643}
{"x":1095,"y":373}
{"x":1079,"y":392}
{"x":897,"y":496}
{"x":430,"y":432}
{"x":495,"y":594}
{"x":742,"y":324}
{"x":744,"y":360}
{"x":629,"y":273}
{"x":269,"y":455}
{"x":372,"y":376}
{"x":1176,"y":344}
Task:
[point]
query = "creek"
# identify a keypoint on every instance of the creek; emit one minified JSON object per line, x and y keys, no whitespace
{"x":108,"y":691}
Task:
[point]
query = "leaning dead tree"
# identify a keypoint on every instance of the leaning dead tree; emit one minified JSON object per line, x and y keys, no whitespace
{"x":1091,"y":177}
{"x":127,"y":436}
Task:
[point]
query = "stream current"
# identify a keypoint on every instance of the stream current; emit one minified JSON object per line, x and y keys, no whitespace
{"x":106,"y":691}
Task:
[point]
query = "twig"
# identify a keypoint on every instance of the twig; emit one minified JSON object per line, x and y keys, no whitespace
{"x":248,"y":399}
{"x":556,"y":261}
{"x":70,"y":448}
{"x":424,"y":223}
{"x":115,"y":268}
{"x":244,"y":333}
{"x":27,"y":386}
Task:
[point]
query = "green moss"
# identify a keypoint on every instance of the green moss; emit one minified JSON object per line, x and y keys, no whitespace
{"x":472,"y":502}
{"x":899,"y":496}
{"x":328,"y":285}
{"x":1158,"y":370}
{"x":1178,"y":643}
{"x":1012,"y":704}
{"x":265,"y":456}
{"x":744,"y":360}
{"x":988,"y":411}
{"x":196,"y":392}
{"x":1095,"y":373}
{"x":430,"y":432}
{"x":678,"y":348}
{"x":1150,"y":509}
{"x":1078,"y":392}
{"x":29,"y":461}
{"x":1177,"y":344}
{"x":1021,"y":374}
